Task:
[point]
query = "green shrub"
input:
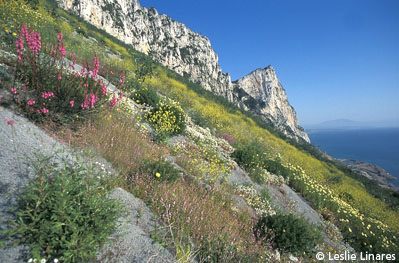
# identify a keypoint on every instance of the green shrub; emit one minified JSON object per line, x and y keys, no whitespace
{"x":146,"y":95}
{"x":64,"y":213}
{"x":288,"y":232}
{"x":167,"y":118}
{"x":164,"y":171}
{"x":248,"y":155}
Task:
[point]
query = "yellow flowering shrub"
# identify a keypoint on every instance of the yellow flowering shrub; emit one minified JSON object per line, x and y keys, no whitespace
{"x":167,"y":117}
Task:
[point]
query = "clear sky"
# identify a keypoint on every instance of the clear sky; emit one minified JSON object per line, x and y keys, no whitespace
{"x":335,"y":58}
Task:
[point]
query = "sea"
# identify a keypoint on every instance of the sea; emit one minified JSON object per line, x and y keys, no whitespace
{"x":379,"y":146}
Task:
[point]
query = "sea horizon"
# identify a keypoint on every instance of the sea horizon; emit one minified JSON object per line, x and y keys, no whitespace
{"x":379,"y":146}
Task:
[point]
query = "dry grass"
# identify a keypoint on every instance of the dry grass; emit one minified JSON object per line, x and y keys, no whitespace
{"x":204,"y":217}
{"x":116,"y":138}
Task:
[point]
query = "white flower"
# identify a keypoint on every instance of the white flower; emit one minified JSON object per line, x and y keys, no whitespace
{"x":30,"y":260}
{"x":43,"y":261}
{"x":55,"y":260}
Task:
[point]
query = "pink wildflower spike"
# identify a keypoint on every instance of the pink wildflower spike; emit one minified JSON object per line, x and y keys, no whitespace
{"x":113,"y":102}
{"x":93,"y":99}
{"x":59,"y":77}
{"x":60,"y":45}
{"x":11,"y":122}
{"x":34,"y":42}
{"x":96,"y":62}
{"x":13,"y":91}
{"x":72,"y":54}
{"x":120,"y":95}
{"x":72,"y":103}
{"x":31,"y":102}
{"x":122,"y":81}
{"x":44,"y":110}
{"x":86,"y":85}
{"x":104,"y":89}
{"x":20,"y":47}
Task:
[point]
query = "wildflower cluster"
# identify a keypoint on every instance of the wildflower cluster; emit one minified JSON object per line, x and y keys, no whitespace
{"x":204,"y":136}
{"x":202,"y":161}
{"x":167,"y":118}
{"x":51,"y":86}
{"x":364,"y":233}
{"x":261,"y":205}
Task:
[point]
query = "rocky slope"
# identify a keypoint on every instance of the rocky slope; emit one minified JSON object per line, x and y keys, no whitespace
{"x":187,"y":53}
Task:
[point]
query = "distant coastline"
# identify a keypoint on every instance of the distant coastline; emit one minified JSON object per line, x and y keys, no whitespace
{"x":377,"y":146}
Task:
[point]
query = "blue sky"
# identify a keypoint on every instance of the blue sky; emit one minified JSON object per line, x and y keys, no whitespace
{"x":335,"y":58}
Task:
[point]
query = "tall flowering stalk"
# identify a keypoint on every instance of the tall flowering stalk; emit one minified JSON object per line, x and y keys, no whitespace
{"x":50,"y":89}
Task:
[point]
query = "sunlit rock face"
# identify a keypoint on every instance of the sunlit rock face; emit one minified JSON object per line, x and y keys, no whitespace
{"x":188,"y":53}
{"x":261,"y":92}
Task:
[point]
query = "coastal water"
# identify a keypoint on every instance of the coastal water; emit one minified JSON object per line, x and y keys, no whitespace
{"x":376,"y":146}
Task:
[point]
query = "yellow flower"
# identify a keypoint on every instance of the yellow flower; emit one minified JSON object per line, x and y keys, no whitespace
{"x":158,"y":175}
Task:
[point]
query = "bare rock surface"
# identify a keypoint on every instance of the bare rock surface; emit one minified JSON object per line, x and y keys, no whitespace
{"x":132,"y":241}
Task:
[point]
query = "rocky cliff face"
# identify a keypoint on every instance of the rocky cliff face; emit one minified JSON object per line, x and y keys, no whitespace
{"x":187,"y":53}
{"x":261,"y":92}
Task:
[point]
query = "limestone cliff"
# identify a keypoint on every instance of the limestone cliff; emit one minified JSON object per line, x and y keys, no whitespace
{"x":187,"y":53}
{"x":261,"y":92}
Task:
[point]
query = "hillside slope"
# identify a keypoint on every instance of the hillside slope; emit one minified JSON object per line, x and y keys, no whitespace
{"x":187,"y":53}
{"x":169,"y":119}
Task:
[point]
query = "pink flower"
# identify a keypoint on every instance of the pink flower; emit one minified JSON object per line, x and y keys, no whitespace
{"x":14,"y":91}
{"x":1,"y":96}
{"x":44,"y":110}
{"x":122,"y":81}
{"x":10,"y":122}
{"x":34,"y":42}
{"x":72,"y":54}
{"x":72,"y":103}
{"x":31,"y":102}
{"x":20,"y":47}
{"x":104,"y":89}
{"x":89,"y":101}
{"x":96,"y":65}
{"x":46,"y":95}
{"x":60,"y":45}
{"x":59,"y":77}
{"x":86,"y":85}
{"x":23,"y":87}
{"x":113,"y":102}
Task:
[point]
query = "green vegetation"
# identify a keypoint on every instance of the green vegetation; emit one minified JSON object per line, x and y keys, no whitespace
{"x":147,"y":96}
{"x":64,"y":214}
{"x":289,"y":233}
{"x":203,"y":221}
{"x":167,"y":118}
{"x":159,"y":169}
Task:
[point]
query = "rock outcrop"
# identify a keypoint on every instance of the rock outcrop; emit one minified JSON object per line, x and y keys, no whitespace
{"x":262,"y":93}
{"x":186,"y":52}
